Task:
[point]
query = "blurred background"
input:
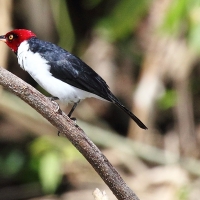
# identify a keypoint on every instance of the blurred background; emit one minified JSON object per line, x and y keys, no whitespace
{"x":148,"y":52}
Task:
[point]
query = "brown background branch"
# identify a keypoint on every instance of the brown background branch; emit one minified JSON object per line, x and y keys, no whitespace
{"x":75,"y":134}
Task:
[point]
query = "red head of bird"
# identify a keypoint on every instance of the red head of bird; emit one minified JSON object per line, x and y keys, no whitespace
{"x":15,"y":37}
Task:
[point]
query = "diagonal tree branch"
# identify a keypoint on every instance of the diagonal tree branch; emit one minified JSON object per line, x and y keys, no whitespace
{"x":74,"y":133}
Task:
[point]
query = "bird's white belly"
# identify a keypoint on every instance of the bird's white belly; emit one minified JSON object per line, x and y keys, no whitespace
{"x":38,"y":68}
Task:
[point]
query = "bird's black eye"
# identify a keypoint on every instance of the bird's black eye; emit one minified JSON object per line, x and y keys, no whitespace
{"x":10,"y":37}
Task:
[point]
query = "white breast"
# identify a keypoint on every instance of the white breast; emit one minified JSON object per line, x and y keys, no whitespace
{"x":38,"y":68}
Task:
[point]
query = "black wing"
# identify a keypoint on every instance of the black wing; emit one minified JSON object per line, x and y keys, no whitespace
{"x":70,"y":69}
{"x":76,"y":73}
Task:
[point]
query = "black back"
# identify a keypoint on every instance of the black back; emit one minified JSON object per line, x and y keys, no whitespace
{"x":70,"y":69}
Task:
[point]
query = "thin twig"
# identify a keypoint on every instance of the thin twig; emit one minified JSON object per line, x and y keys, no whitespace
{"x":74,"y":133}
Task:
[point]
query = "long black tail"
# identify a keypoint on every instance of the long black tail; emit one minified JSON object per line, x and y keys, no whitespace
{"x":117,"y":103}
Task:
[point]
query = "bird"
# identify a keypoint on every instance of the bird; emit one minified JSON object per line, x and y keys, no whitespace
{"x":62,"y":74}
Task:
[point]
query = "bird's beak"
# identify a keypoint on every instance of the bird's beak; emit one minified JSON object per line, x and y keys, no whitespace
{"x":3,"y":38}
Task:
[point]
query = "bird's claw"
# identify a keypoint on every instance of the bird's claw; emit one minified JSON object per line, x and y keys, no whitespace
{"x":52,"y":99}
{"x":73,"y":119}
{"x":58,"y":133}
{"x":57,"y":106}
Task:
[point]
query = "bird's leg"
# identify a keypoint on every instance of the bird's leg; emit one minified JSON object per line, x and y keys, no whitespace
{"x":72,"y":110}
{"x":70,"y":113}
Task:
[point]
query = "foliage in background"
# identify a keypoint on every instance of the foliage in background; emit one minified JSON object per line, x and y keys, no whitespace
{"x":63,"y":23}
{"x":123,"y":19}
{"x":168,"y":100}
{"x":7,"y":168}
{"x":49,"y":157}
{"x":183,"y":20}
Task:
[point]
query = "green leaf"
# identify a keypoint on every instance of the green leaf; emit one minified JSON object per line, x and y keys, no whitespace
{"x":168,"y":100}
{"x":49,"y":171}
{"x":176,"y":16}
{"x":194,"y":28}
{"x":123,"y":19}
{"x":13,"y":163}
{"x":194,"y":39}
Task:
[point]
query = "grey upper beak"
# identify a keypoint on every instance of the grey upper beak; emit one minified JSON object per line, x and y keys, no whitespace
{"x":2,"y":38}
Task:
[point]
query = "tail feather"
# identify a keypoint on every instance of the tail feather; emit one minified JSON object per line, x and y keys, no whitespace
{"x":117,"y":103}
